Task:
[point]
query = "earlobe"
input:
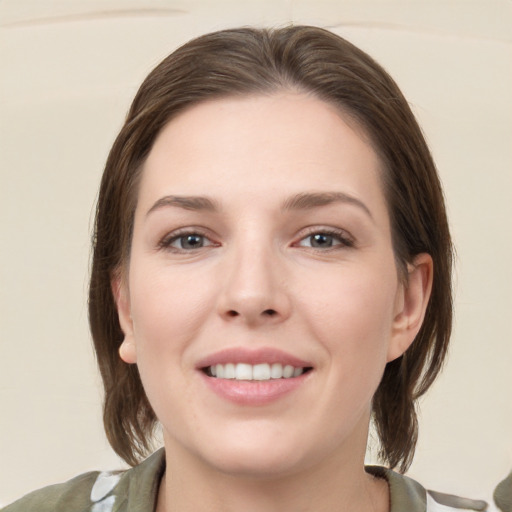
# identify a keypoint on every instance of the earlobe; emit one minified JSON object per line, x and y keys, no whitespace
{"x":127,"y":351}
{"x":411,"y":305}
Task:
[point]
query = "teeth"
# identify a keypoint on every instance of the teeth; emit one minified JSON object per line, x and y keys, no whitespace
{"x":264,"y":371}
{"x":243,"y":372}
{"x":261,"y":372}
{"x":288,"y":371}
{"x":276,"y":371}
{"x":229,"y":371}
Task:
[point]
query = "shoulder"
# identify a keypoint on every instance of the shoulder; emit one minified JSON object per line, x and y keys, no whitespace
{"x":503,"y":494}
{"x":71,"y":495}
{"x":407,"y":495}
{"x":134,"y":489}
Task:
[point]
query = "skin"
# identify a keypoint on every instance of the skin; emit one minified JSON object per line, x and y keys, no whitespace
{"x":257,"y":277}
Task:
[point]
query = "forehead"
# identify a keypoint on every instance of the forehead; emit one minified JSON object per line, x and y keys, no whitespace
{"x":261,"y":146}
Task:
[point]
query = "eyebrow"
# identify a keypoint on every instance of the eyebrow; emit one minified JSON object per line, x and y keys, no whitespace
{"x":302,"y":201}
{"x":308,"y":200}
{"x":196,"y":203}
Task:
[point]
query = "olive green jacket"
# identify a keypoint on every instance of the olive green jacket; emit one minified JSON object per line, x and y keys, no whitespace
{"x":135,"y":490}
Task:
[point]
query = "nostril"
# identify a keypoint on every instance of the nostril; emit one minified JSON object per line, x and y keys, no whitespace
{"x":233,"y":313}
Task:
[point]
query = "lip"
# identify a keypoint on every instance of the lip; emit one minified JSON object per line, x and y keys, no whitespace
{"x":252,"y":356}
{"x":255,"y":393}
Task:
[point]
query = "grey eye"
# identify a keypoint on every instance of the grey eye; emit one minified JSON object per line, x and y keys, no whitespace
{"x":320,"y":240}
{"x":326,"y":240}
{"x":192,"y":241}
{"x":186,"y":241}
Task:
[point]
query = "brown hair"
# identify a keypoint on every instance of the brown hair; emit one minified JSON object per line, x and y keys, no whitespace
{"x":247,"y":61}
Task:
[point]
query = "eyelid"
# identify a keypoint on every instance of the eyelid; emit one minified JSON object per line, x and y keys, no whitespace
{"x":346,"y":239}
{"x":164,"y":243}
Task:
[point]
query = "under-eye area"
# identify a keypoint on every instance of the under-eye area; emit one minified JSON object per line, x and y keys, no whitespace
{"x":262,"y":371}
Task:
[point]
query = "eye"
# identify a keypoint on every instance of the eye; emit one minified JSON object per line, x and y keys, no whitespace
{"x":193,"y":241}
{"x":326,"y":240}
{"x":186,"y":242}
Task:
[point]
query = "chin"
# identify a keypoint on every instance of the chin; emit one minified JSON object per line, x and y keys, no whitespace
{"x":254,"y":464}
{"x":260,"y":454}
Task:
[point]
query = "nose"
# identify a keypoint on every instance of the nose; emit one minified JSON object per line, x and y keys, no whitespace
{"x":254,"y":290}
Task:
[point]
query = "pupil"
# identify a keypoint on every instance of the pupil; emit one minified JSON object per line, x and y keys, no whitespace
{"x":192,"y":241}
{"x":321,"y":240}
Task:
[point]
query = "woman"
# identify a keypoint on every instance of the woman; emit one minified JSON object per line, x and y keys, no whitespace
{"x":271,"y":269}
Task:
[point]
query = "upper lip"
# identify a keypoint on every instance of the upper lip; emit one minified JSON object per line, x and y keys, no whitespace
{"x":252,"y":356}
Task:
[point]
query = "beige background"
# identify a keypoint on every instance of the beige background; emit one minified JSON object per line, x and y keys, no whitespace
{"x":68,"y":70}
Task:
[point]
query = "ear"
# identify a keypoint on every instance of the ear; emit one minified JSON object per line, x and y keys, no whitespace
{"x":411,"y":304}
{"x":127,"y":351}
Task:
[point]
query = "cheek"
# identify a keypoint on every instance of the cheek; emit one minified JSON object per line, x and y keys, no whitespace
{"x":168,"y":309}
{"x":168,"y":313}
{"x":351,"y":311}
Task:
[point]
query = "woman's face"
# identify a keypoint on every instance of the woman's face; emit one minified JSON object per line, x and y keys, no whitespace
{"x":262,"y":247}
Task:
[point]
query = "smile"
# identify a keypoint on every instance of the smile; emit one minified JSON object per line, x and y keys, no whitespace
{"x":254,"y":376}
{"x":258,"y":372}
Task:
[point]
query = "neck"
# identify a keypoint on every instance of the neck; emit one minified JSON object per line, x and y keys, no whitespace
{"x":334,"y":484}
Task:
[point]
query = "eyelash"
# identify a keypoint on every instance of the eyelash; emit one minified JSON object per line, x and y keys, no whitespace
{"x":167,"y":241}
{"x":346,"y":241}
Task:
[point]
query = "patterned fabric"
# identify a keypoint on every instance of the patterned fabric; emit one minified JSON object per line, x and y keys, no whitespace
{"x":135,"y":490}
{"x":101,"y":495}
{"x":503,"y":494}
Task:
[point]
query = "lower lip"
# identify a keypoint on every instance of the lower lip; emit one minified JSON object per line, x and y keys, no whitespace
{"x":254,"y":392}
